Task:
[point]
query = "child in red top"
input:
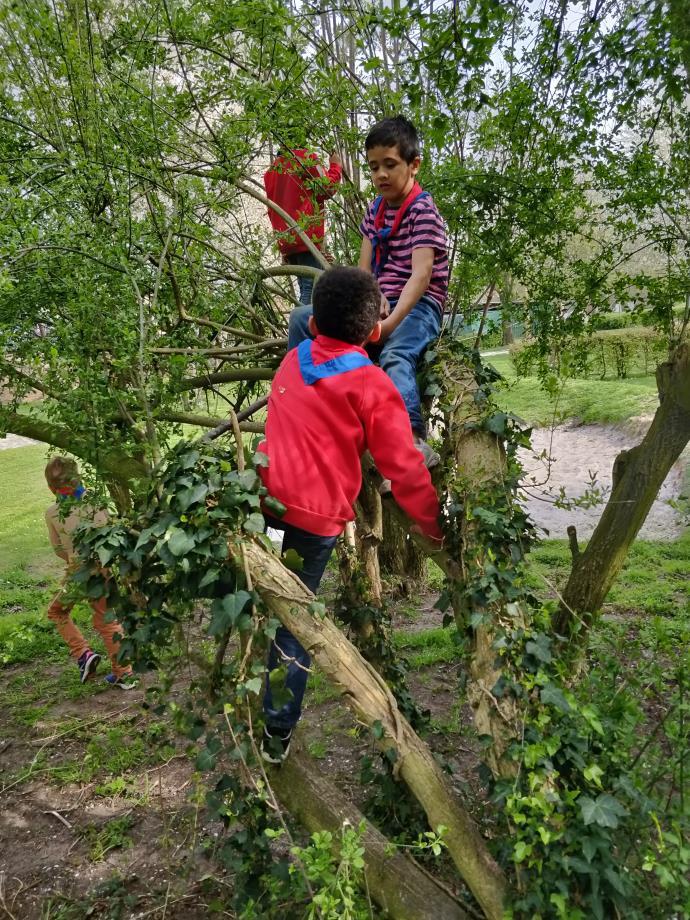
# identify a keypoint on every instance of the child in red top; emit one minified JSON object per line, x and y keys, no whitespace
{"x":299,"y":184}
{"x":328,"y":405}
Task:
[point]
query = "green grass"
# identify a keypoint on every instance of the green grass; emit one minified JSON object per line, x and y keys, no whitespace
{"x":590,"y":401}
{"x":655,"y":580}
{"x":25,"y":497}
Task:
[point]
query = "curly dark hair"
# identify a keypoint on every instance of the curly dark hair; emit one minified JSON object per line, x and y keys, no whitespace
{"x":347,"y":303}
{"x":395,"y":132}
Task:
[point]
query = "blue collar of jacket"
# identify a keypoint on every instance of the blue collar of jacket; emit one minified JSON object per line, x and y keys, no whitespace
{"x":348,"y":359}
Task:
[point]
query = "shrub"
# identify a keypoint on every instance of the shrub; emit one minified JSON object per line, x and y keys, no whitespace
{"x":612,"y":320}
{"x":606,"y":353}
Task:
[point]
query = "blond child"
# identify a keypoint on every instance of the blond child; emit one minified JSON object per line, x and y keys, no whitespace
{"x":63,"y":517}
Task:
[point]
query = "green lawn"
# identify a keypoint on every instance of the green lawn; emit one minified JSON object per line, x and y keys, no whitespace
{"x":590,"y":401}
{"x":25,"y":496}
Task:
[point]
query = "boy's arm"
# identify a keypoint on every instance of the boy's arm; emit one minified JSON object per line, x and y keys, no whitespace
{"x":365,"y":252}
{"x":364,"y":263}
{"x":55,"y":541}
{"x":415,"y":287}
{"x":329,"y":179}
{"x":389,"y":439}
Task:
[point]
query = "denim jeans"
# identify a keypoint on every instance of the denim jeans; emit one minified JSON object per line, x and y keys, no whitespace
{"x":400,"y":354}
{"x":306,"y":283}
{"x":315,"y":552}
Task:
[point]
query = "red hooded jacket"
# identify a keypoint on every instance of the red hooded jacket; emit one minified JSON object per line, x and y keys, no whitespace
{"x":328,"y":405}
{"x":300,"y":185}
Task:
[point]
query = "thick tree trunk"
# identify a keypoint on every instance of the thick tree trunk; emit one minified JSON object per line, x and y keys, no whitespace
{"x":637,"y":477}
{"x":371,"y":699}
{"x":481,"y":466}
{"x":399,"y":555}
{"x":395,"y":882}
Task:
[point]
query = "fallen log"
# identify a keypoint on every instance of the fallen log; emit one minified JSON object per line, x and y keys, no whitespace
{"x":397,"y":884}
{"x":369,"y":696}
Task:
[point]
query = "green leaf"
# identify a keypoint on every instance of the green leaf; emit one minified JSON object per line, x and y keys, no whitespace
{"x":205,"y":760}
{"x":226,"y":612}
{"x":497,"y":423}
{"x":292,"y":560}
{"x":179,"y":542}
{"x":188,"y":497}
{"x":210,"y":576}
{"x":254,"y":523}
{"x":605,"y":810}
{"x":552,"y":696}
{"x":254,"y":685}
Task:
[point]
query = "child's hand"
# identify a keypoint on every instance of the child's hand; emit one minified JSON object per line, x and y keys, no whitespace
{"x":385,"y":307}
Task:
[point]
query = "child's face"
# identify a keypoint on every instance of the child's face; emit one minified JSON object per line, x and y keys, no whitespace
{"x":392,"y":176}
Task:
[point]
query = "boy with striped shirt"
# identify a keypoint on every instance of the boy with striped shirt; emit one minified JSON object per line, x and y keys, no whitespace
{"x":404,"y":247}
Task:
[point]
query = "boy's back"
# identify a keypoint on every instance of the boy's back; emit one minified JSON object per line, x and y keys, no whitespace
{"x":316,"y":433}
{"x":61,"y":527}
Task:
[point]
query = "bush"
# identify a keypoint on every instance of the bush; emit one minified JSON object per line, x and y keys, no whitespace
{"x":612,"y":320}
{"x":616,"y":353}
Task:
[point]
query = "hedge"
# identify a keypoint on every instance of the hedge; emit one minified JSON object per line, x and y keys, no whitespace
{"x":606,"y":353}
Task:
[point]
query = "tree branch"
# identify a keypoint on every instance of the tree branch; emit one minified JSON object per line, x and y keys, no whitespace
{"x":114,"y":462}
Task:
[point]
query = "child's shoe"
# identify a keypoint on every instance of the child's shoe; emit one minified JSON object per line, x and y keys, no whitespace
{"x":124,"y":683}
{"x":88,"y":663}
{"x":431,"y":458}
{"x":275,"y":745}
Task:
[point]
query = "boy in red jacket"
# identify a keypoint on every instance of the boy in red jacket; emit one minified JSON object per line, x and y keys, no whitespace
{"x":328,"y":405}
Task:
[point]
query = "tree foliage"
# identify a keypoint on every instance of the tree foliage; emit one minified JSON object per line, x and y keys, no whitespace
{"x":140,"y":293}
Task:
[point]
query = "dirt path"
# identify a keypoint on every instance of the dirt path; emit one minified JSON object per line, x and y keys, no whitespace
{"x":567,"y":457}
{"x":15,"y":440}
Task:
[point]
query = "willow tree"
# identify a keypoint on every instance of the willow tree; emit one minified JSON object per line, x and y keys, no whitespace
{"x":141,"y":295}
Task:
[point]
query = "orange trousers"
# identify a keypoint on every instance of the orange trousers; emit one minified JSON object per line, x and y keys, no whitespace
{"x":59,"y":614}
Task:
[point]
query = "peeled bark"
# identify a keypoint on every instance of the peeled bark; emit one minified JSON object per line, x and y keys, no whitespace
{"x":397,"y":884}
{"x":638,"y":475}
{"x":371,"y":699}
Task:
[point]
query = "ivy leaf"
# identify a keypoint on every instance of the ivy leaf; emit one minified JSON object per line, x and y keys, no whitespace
{"x":188,"y":497}
{"x":226,"y":611}
{"x":247,"y":479}
{"x":205,"y":760}
{"x":210,"y":576}
{"x":179,"y":543}
{"x":497,"y":423}
{"x":605,"y":810}
{"x":552,"y":696}
{"x":254,"y":523}
{"x":539,"y":648}
{"x":254,"y":685}
{"x":292,"y":560}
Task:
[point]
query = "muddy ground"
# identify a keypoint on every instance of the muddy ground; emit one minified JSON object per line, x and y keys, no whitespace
{"x":134,"y":841}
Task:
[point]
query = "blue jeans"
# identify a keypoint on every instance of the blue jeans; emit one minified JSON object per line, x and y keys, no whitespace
{"x":315,"y":552}
{"x":306,"y":284}
{"x":400,"y":354}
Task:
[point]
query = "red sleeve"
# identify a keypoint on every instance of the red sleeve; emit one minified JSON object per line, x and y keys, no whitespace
{"x":389,"y":439}
{"x":328,"y":179}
